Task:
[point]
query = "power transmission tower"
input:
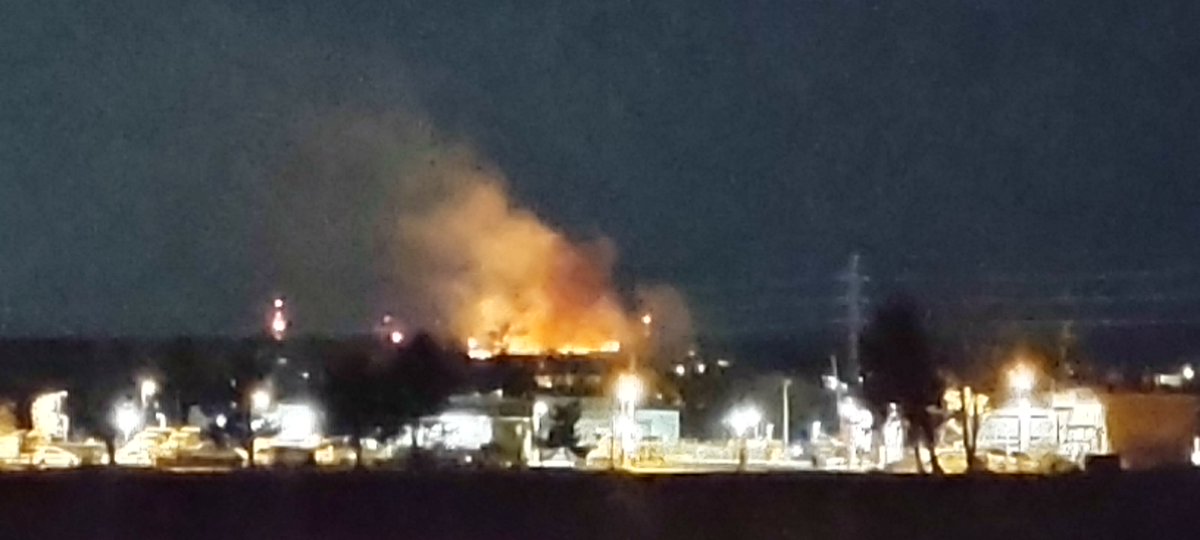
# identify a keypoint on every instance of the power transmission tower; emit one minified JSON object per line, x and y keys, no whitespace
{"x":854,"y":301}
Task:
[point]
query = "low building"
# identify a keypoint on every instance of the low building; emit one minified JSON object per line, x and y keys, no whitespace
{"x":1146,"y":429}
{"x":1070,"y":423}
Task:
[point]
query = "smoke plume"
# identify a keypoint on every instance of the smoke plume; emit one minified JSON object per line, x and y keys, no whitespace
{"x":498,"y":275}
{"x":386,"y":206}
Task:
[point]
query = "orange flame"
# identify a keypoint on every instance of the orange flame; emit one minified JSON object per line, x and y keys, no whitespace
{"x":508,"y":283}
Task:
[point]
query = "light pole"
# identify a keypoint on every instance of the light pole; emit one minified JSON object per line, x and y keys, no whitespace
{"x":259,"y":402}
{"x":647,"y":319}
{"x":148,"y":388}
{"x":1021,"y":381}
{"x":787,"y":383}
{"x":126,"y":418}
{"x":629,"y":392}
{"x":741,"y":420}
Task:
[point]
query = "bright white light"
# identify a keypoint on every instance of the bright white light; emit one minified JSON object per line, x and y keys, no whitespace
{"x":278,"y":323}
{"x":475,"y":352}
{"x":48,"y":414}
{"x":647,"y":319}
{"x":1196,"y":451}
{"x":742,"y":418}
{"x":1021,"y":379}
{"x":540,"y":409}
{"x":462,"y":430}
{"x":396,"y":337}
{"x":629,"y":389}
{"x":304,"y":375}
{"x":149,"y":388}
{"x":260,"y":400}
{"x":278,"y":303}
{"x":1187,"y":372}
{"x":221,"y":420}
{"x":850,"y":410}
{"x":297,"y":422}
{"x":680,"y":370}
{"x":127,"y":418}
{"x":701,"y":368}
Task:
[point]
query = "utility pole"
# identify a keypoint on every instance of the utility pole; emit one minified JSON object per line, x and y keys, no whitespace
{"x":854,"y":301}
{"x":787,"y":383}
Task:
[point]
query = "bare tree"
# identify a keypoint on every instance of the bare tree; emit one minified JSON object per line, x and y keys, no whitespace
{"x":898,"y":367}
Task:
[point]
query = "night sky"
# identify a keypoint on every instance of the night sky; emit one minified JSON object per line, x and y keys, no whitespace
{"x":1023,"y":159}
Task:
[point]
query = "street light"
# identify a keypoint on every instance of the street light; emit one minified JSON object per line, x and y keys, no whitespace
{"x":260,"y":400}
{"x":741,"y":419}
{"x":629,"y":389}
{"x":126,"y":419}
{"x":1021,"y":379}
{"x":1188,"y":372}
{"x":396,"y":336}
{"x":148,"y":389}
{"x":629,"y":392}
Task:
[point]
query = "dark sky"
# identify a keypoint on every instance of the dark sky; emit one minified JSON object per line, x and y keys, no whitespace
{"x":1039,"y":155}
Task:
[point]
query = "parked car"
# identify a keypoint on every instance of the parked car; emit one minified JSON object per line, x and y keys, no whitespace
{"x":53,"y":457}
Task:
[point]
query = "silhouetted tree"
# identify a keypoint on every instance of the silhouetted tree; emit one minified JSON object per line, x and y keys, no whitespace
{"x":399,"y":387}
{"x":90,"y":405}
{"x":351,"y":396}
{"x":185,"y":373}
{"x":897,"y":367}
{"x":424,"y":374}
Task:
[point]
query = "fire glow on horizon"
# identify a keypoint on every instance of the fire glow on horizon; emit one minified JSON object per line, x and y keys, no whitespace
{"x":507,"y":283}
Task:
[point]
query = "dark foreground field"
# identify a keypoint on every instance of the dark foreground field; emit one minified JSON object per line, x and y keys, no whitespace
{"x":264,"y":506}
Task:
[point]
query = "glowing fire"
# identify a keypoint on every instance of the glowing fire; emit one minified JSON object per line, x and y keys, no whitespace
{"x":525,"y":348}
{"x":506,"y":283}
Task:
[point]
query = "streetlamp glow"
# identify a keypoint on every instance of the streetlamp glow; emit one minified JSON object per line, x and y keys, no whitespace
{"x":149,"y":387}
{"x":396,"y":336}
{"x":1188,"y":372}
{"x":126,"y":419}
{"x":1021,"y":379}
{"x":629,"y":389}
{"x":260,"y":400}
{"x":743,"y":418}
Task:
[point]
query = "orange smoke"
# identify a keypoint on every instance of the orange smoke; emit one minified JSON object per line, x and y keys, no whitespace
{"x":504,"y":282}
